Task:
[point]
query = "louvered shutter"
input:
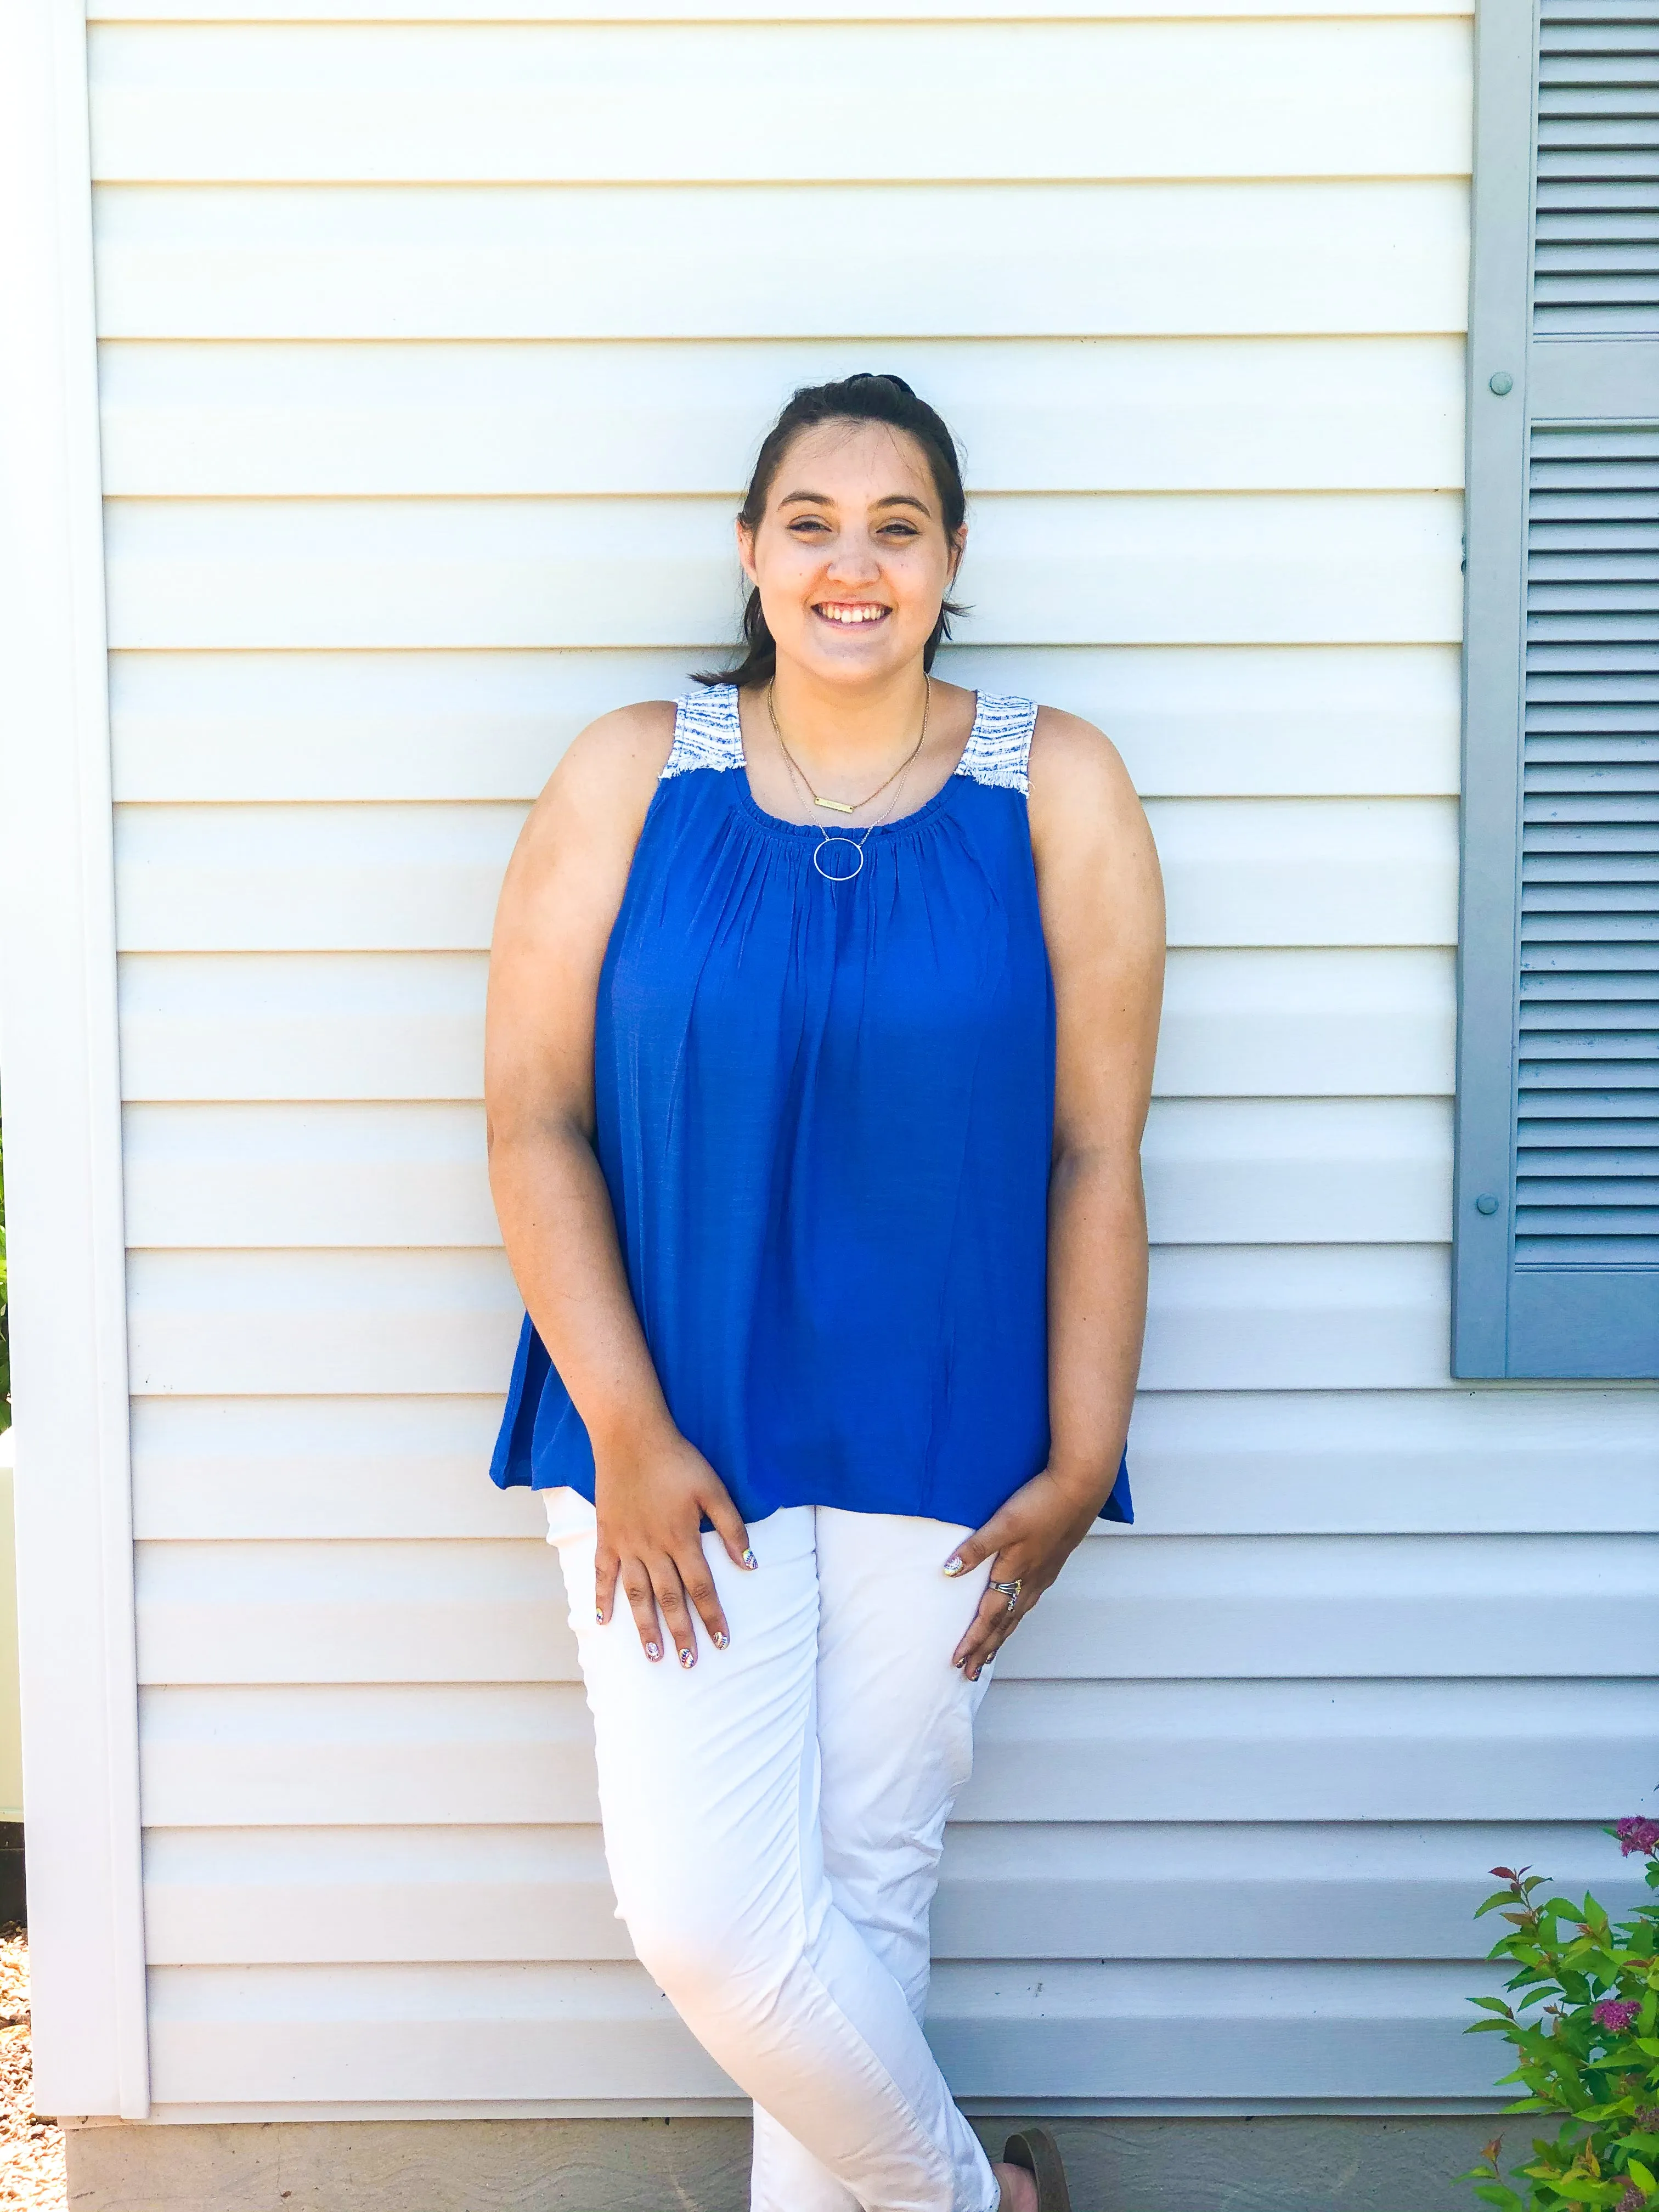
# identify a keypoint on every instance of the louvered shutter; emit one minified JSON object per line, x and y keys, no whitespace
{"x":1555,"y":1266}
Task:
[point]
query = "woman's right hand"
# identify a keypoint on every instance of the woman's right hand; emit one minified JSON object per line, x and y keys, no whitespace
{"x":653,"y":1497}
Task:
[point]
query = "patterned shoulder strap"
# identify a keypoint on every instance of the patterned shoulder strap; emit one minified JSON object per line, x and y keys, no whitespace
{"x":999,"y":750}
{"x":707,"y":731}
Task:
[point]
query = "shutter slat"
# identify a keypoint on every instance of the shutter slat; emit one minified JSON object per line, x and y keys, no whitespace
{"x":1608,"y":1107}
{"x":1636,"y":1184}
{"x":1549,"y":967}
{"x":1593,"y":1014}
{"x":1636,"y":1253}
{"x":1595,"y":772}
{"x":1609,"y":1142}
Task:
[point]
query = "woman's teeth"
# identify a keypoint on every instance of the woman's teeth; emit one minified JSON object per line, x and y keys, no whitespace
{"x":852,"y":614}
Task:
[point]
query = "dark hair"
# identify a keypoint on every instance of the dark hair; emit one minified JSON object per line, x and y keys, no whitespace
{"x":862,"y":398}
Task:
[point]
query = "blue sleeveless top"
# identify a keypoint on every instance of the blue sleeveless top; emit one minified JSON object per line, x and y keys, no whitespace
{"x":824,"y":1113}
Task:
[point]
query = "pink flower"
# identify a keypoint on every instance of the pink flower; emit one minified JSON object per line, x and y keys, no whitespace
{"x":1632,"y":2201}
{"x":1616,"y":2014}
{"x":1637,"y":1835}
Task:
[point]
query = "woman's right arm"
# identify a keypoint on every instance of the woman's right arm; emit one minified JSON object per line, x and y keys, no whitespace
{"x":563,"y":887}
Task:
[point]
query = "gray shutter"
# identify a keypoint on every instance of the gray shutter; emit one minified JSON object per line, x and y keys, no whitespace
{"x":1556,"y":1251}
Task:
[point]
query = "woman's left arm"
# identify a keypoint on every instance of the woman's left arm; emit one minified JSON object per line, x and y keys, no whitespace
{"x":1102,"y":916}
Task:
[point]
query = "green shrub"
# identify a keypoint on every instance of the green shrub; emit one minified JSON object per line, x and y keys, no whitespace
{"x":1585,"y":2028}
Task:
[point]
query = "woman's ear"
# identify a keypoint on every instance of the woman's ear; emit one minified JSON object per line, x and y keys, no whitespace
{"x":958,"y":547}
{"x":746,"y":550}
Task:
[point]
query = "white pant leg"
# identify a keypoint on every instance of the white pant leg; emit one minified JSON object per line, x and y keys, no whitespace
{"x":895,"y":1723}
{"x":708,"y":1788}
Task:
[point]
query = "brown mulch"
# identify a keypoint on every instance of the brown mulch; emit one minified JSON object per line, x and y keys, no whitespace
{"x":31,"y":2148}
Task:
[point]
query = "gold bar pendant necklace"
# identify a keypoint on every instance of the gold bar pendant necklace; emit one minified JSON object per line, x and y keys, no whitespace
{"x":843,"y":806}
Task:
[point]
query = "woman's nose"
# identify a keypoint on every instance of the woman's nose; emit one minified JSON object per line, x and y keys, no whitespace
{"x":854,"y":561}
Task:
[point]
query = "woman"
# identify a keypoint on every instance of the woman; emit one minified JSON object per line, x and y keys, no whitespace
{"x":818,"y":1054}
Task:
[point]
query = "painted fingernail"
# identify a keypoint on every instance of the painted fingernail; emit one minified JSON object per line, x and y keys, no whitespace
{"x":749,"y":1560}
{"x":953,"y":1566}
{"x":653,"y":1651}
{"x":721,"y":1639}
{"x":688,"y":1656}
{"x":599,"y":1616}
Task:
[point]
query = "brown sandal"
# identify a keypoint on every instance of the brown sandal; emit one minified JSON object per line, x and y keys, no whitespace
{"x":1035,"y":2150}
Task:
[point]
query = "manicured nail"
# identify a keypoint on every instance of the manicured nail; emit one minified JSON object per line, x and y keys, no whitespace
{"x":721,"y":1639}
{"x":599,"y":1616}
{"x":688,"y":1656}
{"x":953,"y":1565}
{"x":751,"y":1561}
{"x":653,"y":1651}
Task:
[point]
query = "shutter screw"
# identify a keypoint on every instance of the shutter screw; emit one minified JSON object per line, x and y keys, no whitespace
{"x":1485,"y":1203}
{"x":1502,"y":383}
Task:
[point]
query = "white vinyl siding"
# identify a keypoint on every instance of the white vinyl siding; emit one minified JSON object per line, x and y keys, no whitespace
{"x":433,"y":354}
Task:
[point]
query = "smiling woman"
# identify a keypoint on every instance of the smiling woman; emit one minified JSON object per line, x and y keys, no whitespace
{"x":821,"y":1015}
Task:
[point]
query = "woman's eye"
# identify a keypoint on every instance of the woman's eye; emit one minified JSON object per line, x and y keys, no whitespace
{"x":808,"y":525}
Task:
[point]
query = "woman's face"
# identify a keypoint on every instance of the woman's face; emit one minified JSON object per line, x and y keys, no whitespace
{"x":850,"y":557}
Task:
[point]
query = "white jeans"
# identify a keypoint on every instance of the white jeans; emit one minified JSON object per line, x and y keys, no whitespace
{"x":773,"y":1820}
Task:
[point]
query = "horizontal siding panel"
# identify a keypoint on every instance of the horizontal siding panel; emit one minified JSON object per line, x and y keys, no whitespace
{"x":311,"y":878}
{"x":510,"y":104}
{"x":319,"y":1468}
{"x":223,"y":1176}
{"x":1275,"y":871}
{"x":724,"y":11}
{"x":1247,"y":568}
{"x":1369,"y":414}
{"x":1309,"y":871}
{"x":1256,"y":1464}
{"x":1215,"y":722}
{"x":1324,"y":1023}
{"x":1440,"y":1461}
{"x":1346,"y":2032}
{"x":1308,"y":1750}
{"x":415,"y":2032}
{"x":379,"y":1755}
{"x":366,"y":1323}
{"x":353,"y":1613}
{"x":330,"y":1026}
{"x":1159,"y":1607}
{"x":1343,"y":1172}
{"x":1062,"y":260}
{"x":1134,"y":2029}
{"x":1164,"y":1891}
{"x":1339,"y":1171}
{"x":1318,"y":1022}
{"x":371,"y":1323}
{"x":1315,"y":1750}
{"x":1264,"y":1318}
{"x":297,"y":1896}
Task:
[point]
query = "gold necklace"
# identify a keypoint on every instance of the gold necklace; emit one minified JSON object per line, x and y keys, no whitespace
{"x":843,"y":806}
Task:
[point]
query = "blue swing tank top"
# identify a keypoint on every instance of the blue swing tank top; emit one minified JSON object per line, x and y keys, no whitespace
{"x":824,"y":1113}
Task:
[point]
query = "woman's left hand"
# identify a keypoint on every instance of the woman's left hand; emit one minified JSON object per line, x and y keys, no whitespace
{"x":1028,"y":1541}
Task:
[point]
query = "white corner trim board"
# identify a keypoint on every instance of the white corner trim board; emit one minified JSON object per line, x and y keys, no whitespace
{"x":62,"y":1101}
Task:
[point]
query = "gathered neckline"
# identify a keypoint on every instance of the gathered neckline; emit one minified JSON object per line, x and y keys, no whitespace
{"x":855,"y":832}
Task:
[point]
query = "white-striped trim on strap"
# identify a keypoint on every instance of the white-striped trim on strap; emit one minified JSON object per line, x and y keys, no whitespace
{"x":998,"y":751}
{"x":707,"y":731}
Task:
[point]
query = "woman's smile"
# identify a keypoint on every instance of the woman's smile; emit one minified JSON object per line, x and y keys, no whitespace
{"x":850,"y":613}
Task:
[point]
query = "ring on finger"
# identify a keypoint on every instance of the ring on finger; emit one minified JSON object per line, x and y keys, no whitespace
{"x":1010,"y":1590}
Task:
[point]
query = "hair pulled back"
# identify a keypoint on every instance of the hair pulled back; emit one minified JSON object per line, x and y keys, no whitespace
{"x":865,"y":398}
